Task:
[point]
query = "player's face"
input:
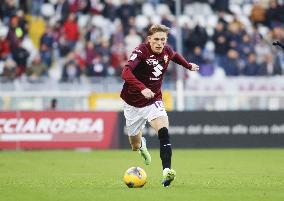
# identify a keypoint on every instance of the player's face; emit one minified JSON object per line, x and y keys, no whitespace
{"x":157,"y":41}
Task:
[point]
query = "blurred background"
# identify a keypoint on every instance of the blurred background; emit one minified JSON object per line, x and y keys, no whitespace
{"x":60,"y":65}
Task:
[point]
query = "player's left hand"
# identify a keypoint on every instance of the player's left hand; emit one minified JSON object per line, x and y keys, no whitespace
{"x":194,"y":67}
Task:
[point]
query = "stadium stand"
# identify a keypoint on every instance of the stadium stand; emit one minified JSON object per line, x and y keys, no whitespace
{"x":78,"y":38}
{"x":75,"y":41}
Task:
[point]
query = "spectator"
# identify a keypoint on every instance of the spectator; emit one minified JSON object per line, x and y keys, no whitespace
{"x":172,"y":39}
{"x":4,"y":45}
{"x":79,"y":6}
{"x":256,"y":37}
{"x":118,"y":57}
{"x":9,"y":72}
{"x":36,"y":5}
{"x":277,"y":34}
{"x":46,"y":46}
{"x":274,"y":14}
{"x":270,"y":66}
{"x":56,"y":30}
{"x":245,"y":46}
{"x":80,"y":59}
{"x":22,"y":22}
{"x":8,"y":10}
{"x":220,"y":41}
{"x":132,"y":40}
{"x":251,"y":67}
{"x":15,"y":33}
{"x":71,"y":69}
{"x":207,"y":68}
{"x":232,"y":64}
{"x":109,"y":40}
{"x":196,"y":56}
{"x":235,"y":33}
{"x":90,"y":53}
{"x":109,"y":10}
{"x":262,"y":48}
{"x":221,"y":5}
{"x":118,"y":35}
{"x":185,"y":37}
{"x":257,"y":13}
{"x":62,"y":11}
{"x":36,"y":70}
{"x":104,"y":52}
{"x":198,"y":37}
{"x":94,"y":34}
{"x":20,"y":55}
{"x":98,"y":68}
{"x":166,"y":21}
{"x":23,"y":5}
{"x":71,"y":32}
{"x":124,"y":12}
{"x":221,"y":19}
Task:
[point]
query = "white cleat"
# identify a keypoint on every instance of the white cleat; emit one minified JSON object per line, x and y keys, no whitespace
{"x":144,"y":152}
{"x":168,"y":176}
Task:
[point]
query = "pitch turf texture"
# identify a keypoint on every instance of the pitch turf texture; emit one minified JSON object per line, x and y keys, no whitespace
{"x":211,"y":175}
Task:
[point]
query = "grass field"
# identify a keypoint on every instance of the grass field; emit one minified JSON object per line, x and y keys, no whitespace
{"x":211,"y":175}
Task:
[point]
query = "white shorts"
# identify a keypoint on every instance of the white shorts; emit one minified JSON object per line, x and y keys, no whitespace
{"x":136,"y":118}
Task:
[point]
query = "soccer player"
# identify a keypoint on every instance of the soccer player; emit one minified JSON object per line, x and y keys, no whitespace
{"x":143,"y":75}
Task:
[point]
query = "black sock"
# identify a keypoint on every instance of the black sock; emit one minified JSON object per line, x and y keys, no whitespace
{"x":165,"y":147}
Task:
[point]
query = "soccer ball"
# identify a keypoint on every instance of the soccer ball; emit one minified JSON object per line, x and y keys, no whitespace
{"x":135,"y":177}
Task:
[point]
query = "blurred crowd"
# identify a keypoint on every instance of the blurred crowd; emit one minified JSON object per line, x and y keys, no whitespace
{"x":69,"y":40}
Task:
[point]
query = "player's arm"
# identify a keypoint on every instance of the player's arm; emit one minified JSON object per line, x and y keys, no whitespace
{"x":130,"y":78}
{"x":177,"y":58}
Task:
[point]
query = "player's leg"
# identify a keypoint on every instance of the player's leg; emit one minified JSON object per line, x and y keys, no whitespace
{"x":135,"y":141}
{"x":138,"y":143}
{"x":134,"y":124}
{"x":161,"y":124}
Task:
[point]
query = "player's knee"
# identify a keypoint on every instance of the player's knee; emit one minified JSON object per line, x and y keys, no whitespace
{"x":163,"y":135}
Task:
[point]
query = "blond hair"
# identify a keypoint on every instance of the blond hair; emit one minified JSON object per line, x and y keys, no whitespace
{"x":158,"y":28}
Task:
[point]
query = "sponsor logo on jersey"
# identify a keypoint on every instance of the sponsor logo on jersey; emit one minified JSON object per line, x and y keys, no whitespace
{"x":158,"y":70}
{"x":166,"y":58}
{"x":154,"y":78}
{"x":152,"y":62}
{"x":157,"y":67}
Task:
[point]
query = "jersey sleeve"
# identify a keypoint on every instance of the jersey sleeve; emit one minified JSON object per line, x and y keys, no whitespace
{"x":177,"y":58}
{"x":170,"y":52}
{"x":135,"y":58}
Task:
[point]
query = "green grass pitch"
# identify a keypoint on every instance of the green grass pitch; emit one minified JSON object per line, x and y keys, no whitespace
{"x":202,"y":175}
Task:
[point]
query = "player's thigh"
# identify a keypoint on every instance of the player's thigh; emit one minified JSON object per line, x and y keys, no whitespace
{"x":134,"y":120}
{"x":159,"y":122}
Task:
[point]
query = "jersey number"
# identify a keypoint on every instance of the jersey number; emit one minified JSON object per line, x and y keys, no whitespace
{"x":160,"y":105}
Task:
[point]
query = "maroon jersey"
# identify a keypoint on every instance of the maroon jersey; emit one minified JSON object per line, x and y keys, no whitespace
{"x":146,"y":69}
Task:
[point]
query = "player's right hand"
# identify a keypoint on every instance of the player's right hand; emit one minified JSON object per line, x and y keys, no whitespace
{"x":147,"y":93}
